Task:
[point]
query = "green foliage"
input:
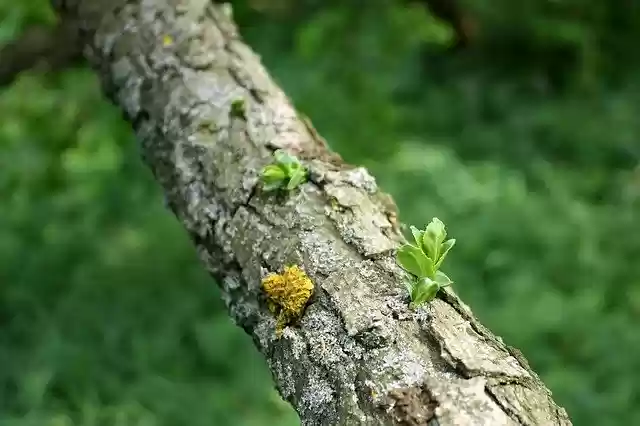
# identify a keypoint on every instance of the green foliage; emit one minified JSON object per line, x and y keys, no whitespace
{"x":422,"y":261}
{"x":526,"y":143}
{"x":286,"y":173}
{"x":569,"y":42}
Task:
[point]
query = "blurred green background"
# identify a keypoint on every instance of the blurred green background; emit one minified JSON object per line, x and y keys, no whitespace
{"x":515,"y":122}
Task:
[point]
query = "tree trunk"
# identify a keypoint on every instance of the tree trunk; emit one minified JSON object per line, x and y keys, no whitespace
{"x":208,"y":117}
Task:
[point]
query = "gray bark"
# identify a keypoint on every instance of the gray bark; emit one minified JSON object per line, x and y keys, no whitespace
{"x":358,"y":355}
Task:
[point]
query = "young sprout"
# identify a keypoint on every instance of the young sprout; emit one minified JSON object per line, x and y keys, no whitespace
{"x":422,"y":261}
{"x":238,"y":108}
{"x":285,"y":173}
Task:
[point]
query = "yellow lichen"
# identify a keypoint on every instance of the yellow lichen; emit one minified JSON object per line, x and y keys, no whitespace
{"x":287,"y":295}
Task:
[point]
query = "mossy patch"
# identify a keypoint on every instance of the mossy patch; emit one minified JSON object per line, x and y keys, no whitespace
{"x":287,"y":295}
{"x":238,"y":108}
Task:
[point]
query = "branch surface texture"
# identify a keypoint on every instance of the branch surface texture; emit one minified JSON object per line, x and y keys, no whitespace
{"x":358,"y":356}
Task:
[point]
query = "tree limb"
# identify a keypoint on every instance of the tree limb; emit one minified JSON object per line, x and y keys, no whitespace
{"x":358,"y":356}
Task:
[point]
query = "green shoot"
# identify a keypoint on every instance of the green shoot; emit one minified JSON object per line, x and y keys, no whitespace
{"x":285,"y":173}
{"x":422,"y":260}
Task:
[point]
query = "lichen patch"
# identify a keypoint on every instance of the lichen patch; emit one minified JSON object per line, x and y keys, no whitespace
{"x":287,"y":295}
{"x":411,"y":406}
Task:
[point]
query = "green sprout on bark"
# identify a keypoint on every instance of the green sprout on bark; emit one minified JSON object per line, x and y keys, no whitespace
{"x":422,"y":261}
{"x":285,"y":173}
{"x":238,"y":108}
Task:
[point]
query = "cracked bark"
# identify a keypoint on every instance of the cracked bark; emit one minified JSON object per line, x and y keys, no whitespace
{"x":358,"y":356}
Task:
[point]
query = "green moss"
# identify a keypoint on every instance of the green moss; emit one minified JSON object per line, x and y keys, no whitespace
{"x":238,"y":108}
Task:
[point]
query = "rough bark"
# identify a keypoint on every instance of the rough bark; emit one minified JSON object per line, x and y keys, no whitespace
{"x":358,"y":356}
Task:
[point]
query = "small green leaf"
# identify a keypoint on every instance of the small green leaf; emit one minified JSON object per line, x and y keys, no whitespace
{"x":444,"y":249}
{"x":296,"y":179}
{"x":417,"y":235}
{"x":429,"y":249}
{"x":414,"y":261}
{"x":409,"y":284}
{"x":433,"y":237}
{"x":283,"y":158}
{"x":272,"y":186}
{"x":437,"y":230}
{"x":272,"y":172}
{"x":442,"y":279}
{"x":424,"y":290}
{"x":272,"y":177}
{"x":408,"y":260}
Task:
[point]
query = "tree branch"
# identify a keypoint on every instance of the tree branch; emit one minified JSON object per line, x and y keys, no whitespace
{"x":358,"y":356}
